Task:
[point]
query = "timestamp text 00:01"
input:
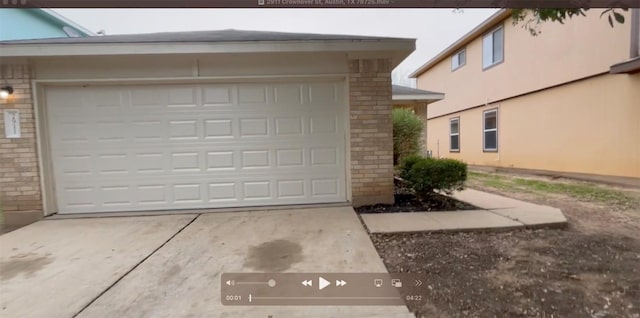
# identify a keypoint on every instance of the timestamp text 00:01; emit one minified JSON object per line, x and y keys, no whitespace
{"x":233,"y":298}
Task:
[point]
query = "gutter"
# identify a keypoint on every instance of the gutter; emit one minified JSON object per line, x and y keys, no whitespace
{"x":402,"y":47}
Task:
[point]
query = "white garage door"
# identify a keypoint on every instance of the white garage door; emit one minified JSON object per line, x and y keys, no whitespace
{"x":158,"y":147}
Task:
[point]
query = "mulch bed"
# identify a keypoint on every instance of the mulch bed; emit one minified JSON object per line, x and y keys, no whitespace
{"x":406,"y":201}
{"x":527,"y":273}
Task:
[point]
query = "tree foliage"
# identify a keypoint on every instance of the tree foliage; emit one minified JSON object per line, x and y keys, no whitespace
{"x":407,"y":129}
{"x":533,"y":17}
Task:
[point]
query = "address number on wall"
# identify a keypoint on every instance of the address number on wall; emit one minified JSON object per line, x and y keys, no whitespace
{"x":12,"y":123}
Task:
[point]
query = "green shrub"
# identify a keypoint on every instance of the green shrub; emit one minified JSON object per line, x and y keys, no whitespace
{"x":407,"y":163}
{"x":407,"y":129}
{"x":427,"y":175}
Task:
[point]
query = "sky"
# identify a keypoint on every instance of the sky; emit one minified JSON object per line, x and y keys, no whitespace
{"x":434,"y":29}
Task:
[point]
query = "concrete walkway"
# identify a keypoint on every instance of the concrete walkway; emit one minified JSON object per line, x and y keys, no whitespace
{"x":170,"y":265}
{"x":497,"y":213}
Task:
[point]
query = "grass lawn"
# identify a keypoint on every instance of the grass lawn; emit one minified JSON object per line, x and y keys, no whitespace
{"x":538,"y":185}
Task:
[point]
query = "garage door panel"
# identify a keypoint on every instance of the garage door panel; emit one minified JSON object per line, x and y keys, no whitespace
{"x":254,"y":127}
{"x":182,"y":97}
{"x":78,"y":197}
{"x":112,"y":163}
{"x":292,"y":188}
{"x":151,"y":194}
{"x":69,"y":133}
{"x":253,"y":94}
{"x":256,"y":190}
{"x":287,"y":158}
{"x":187,"y":193}
{"x":187,"y":128}
{"x":252,"y":159}
{"x":220,"y":160}
{"x":185,"y":162}
{"x":115,"y":196}
{"x":76,"y":165}
{"x":222,"y":192}
{"x":217,"y":95}
{"x":110,"y":132}
{"x":288,"y":126}
{"x":288,"y":94}
{"x":184,"y":130}
{"x":140,"y":163}
{"x":207,"y":194}
{"x":323,"y":93}
{"x":325,"y":187}
{"x":157,"y":147}
{"x":218,"y":128}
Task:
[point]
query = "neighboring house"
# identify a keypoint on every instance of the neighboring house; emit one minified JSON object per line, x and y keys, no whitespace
{"x":25,"y":24}
{"x":415,"y":100}
{"x":194,"y":120}
{"x":565,"y":101}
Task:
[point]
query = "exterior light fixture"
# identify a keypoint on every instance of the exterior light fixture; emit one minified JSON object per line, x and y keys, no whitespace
{"x":5,"y":92}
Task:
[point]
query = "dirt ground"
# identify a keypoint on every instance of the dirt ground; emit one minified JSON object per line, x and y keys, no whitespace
{"x":589,"y":269}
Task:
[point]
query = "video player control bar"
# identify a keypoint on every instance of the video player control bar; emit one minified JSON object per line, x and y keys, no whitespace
{"x":318,"y":289}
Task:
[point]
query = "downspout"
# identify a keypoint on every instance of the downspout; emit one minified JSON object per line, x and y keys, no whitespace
{"x":635,"y":33}
{"x":499,"y":143}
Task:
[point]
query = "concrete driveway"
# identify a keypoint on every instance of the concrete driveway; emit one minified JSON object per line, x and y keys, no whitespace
{"x":170,"y":265}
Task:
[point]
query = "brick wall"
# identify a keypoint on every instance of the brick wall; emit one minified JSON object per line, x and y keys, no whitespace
{"x":371,"y":131}
{"x":19,"y":177}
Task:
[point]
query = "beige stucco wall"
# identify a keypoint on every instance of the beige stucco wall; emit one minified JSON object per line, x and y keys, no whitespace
{"x":591,"y":126}
{"x":581,"y":47}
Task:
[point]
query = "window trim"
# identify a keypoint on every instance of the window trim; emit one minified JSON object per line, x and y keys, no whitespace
{"x":451,"y":134}
{"x":464,"y":49}
{"x":485,"y":130}
{"x":501,"y":26}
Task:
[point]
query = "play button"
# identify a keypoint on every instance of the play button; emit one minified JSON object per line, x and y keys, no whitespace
{"x":322,"y":283}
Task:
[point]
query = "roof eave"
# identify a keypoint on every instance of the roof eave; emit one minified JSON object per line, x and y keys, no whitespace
{"x":417,"y":98}
{"x":64,"y":21}
{"x":399,"y":48}
{"x":490,"y":22}
{"x":630,"y":66}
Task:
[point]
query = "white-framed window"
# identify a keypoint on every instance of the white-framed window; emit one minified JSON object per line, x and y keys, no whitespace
{"x":493,"y":47}
{"x":454,"y":134}
{"x":459,"y":59}
{"x":490,"y":130}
